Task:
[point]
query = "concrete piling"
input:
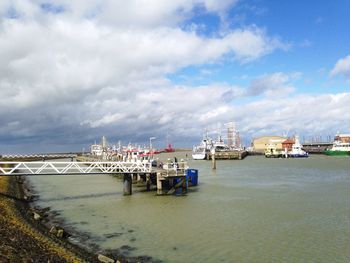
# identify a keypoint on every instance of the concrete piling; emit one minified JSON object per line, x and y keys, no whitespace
{"x":148,"y":182}
{"x":159,"y":184}
{"x":213,"y":161}
{"x":127,"y":184}
{"x":184,"y":186}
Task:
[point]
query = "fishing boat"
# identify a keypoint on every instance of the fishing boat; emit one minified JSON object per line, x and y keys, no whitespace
{"x":339,"y":149}
{"x":297,"y":151}
{"x":96,"y":149}
{"x":200,"y":152}
{"x":217,"y":145}
{"x":272,"y":152}
{"x":169,"y":149}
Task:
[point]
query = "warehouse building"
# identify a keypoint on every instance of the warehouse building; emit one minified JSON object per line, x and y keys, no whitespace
{"x":260,"y":144}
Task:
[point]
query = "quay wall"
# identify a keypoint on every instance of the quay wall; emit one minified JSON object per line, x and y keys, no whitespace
{"x":230,"y":155}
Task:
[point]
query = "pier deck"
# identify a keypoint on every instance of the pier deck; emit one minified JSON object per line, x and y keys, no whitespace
{"x":167,"y":178}
{"x":228,"y":155}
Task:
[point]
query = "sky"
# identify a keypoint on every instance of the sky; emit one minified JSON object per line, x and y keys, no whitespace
{"x":72,"y":71}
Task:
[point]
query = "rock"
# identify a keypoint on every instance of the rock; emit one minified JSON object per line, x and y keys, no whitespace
{"x":46,"y":209}
{"x":105,"y":259}
{"x":53,"y":230}
{"x":28,"y":198}
{"x":60,"y":233}
{"x":36,"y":216}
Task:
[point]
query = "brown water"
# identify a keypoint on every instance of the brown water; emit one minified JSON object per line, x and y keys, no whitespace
{"x":255,"y":210}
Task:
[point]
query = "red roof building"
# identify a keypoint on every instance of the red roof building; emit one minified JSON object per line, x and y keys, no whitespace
{"x":287,"y":144}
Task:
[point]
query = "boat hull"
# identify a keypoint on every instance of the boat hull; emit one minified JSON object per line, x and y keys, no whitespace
{"x":198,"y":156}
{"x":336,"y":153}
{"x":273,"y":155}
{"x":298,"y":155}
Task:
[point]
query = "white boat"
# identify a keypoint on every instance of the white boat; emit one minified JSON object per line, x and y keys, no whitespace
{"x":96,"y":149}
{"x":297,"y":151}
{"x":220,"y":146}
{"x":272,"y":152}
{"x":339,"y":149}
{"x":207,"y":144}
{"x":199,"y":153}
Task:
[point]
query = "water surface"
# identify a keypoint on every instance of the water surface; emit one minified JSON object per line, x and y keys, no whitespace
{"x":254,"y":210}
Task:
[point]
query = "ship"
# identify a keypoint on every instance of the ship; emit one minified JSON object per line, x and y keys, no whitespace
{"x":339,"y":149}
{"x":297,"y":151}
{"x":218,"y":145}
{"x":200,"y":152}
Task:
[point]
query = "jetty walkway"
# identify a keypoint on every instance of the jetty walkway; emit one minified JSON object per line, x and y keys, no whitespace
{"x":168,"y":178}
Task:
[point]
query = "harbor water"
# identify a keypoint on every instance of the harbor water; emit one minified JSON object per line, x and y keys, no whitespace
{"x":254,"y":210}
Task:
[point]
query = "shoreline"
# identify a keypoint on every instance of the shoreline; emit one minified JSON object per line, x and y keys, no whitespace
{"x":30,"y":233}
{"x":24,"y":239}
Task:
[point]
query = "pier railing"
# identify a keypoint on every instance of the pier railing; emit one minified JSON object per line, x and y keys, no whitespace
{"x":26,"y":156}
{"x":41,"y":168}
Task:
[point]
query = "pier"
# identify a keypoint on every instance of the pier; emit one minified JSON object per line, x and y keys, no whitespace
{"x":316,"y":147}
{"x":228,"y":155}
{"x":168,"y":179}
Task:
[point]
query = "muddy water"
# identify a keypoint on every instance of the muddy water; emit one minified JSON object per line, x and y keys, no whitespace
{"x":255,"y":210}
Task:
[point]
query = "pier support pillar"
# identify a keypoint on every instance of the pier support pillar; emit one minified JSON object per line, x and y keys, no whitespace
{"x":148,"y":182}
{"x":171,"y":183}
{"x":127,"y":184}
{"x":184,"y":185}
{"x":159,"y":184}
{"x":214,"y":161}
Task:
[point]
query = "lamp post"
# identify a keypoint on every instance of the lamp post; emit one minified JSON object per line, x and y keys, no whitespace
{"x":150,"y":145}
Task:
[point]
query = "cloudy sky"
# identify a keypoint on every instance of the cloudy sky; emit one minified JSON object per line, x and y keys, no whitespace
{"x":74,"y":70}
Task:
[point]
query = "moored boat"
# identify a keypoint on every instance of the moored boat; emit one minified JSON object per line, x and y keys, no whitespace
{"x":297,"y":151}
{"x":272,"y":152}
{"x":339,"y":149}
{"x":199,"y":153}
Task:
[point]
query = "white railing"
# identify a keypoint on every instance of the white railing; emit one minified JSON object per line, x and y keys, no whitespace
{"x":12,"y":156}
{"x":36,"y":168}
{"x":176,"y":169}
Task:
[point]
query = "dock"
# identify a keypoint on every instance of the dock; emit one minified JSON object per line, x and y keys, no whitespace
{"x":317,"y":147}
{"x":228,"y":155}
{"x":168,"y":178}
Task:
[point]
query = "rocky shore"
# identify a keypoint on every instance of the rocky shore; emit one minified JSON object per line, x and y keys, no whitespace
{"x":26,"y":234}
{"x":22,"y":238}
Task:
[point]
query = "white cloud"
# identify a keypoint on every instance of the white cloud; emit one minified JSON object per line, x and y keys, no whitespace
{"x":308,"y":114}
{"x":100,"y":67}
{"x":342,"y":67}
{"x":67,"y":60}
{"x":132,"y":13}
{"x":273,"y":85}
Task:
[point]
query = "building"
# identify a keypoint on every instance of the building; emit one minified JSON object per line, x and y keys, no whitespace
{"x":260,"y":144}
{"x":287,"y":144}
{"x":342,"y":137}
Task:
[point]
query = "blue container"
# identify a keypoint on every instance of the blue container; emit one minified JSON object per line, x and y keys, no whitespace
{"x":192,"y":176}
